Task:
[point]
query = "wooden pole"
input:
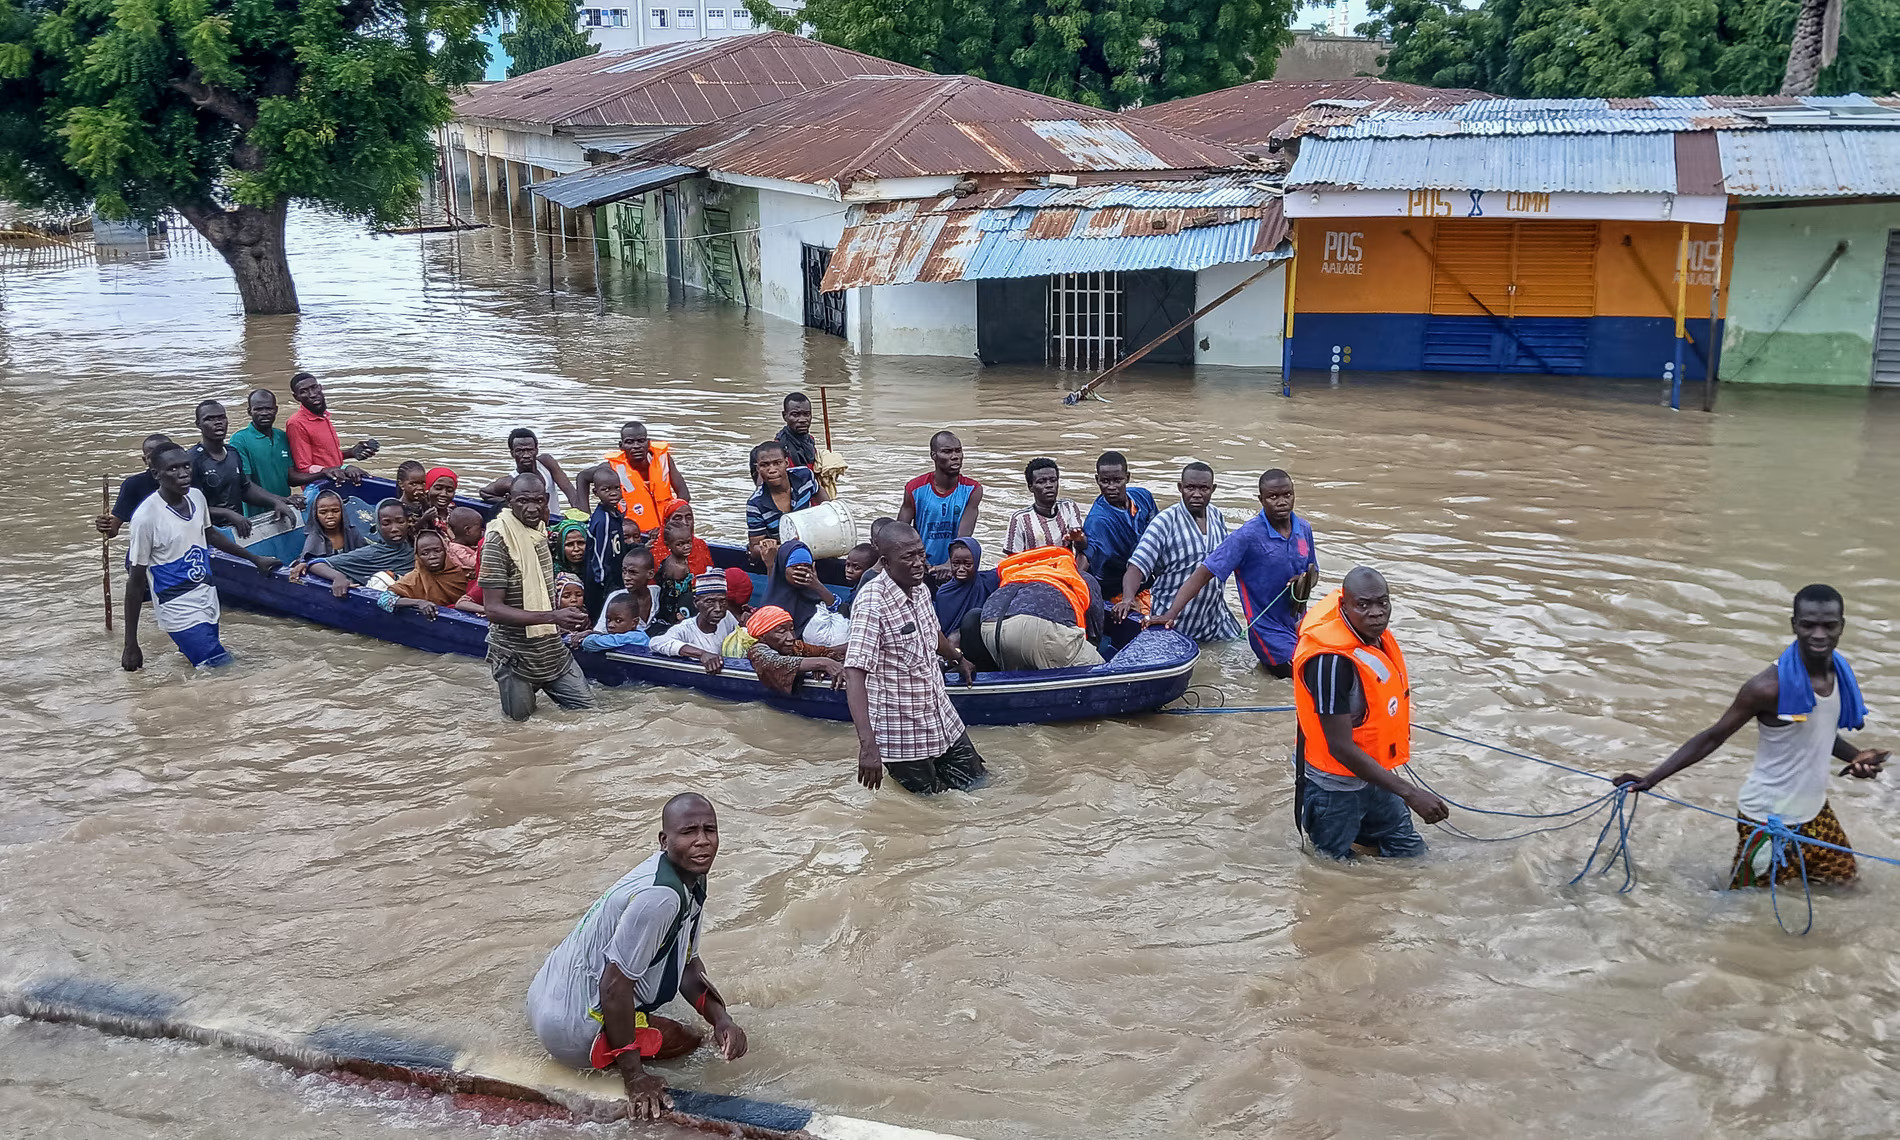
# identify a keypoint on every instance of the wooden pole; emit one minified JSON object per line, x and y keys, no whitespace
{"x":1077,"y":396}
{"x":593,"y":243}
{"x":824,"y":404}
{"x":105,"y":549}
{"x":1286,"y":332}
{"x":1682,"y":313}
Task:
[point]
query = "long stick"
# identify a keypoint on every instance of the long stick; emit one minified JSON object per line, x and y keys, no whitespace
{"x":1713,"y":360}
{"x":1076,"y":396}
{"x":824,"y":404}
{"x":105,"y":549}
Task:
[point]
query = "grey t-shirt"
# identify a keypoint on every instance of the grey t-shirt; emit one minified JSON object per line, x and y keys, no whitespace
{"x":625,"y":926}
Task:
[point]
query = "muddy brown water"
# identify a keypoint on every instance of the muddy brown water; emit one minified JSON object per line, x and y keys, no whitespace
{"x":1121,"y":936}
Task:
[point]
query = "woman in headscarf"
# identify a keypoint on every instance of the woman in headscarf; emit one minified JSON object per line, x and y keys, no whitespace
{"x":676,"y":536}
{"x":438,"y":499}
{"x":968,"y":587}
{"x":567,"y":541}
{"x":794,"y":587}
{"x":330,"y":529}
{"x":434,"y":582}
{"x":779,"y":658}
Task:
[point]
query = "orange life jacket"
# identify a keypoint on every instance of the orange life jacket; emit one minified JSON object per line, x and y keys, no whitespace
{"x":1386,"y":733}
{"x":1052,"y":566}
{"x":644,"y":497}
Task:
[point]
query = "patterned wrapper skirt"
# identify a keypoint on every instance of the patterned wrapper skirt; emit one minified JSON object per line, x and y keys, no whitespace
{"x":1824,"y":865}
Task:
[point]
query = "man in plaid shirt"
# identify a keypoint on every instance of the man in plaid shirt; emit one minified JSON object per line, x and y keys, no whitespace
{"x":893,"y":683}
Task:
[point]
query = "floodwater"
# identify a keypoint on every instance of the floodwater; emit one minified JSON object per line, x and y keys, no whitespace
{"x":1121,"y":936}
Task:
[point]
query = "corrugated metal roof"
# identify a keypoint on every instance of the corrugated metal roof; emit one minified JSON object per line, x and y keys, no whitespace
{"x":1661,"y":113}
{"x":949,"y":239}
{"x":1254,"y":114}
{"x":1589,"y":164}
{"x":604,"y":184}
{"x":901,"y":126}
{"x":672,"y":85}
{"x":1810,"y":163}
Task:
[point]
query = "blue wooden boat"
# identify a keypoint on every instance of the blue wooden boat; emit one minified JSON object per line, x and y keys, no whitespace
{"x":1152,"y":667}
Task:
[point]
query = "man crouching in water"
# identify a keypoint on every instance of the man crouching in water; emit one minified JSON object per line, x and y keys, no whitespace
{"x":592,"y":1005}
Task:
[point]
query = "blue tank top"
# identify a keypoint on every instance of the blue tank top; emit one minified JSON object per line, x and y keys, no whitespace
{"x":939,"y":515}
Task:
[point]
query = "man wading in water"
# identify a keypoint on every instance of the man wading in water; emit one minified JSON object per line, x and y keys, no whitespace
{"x":1799,"y":705}
{"x":631,"y":953}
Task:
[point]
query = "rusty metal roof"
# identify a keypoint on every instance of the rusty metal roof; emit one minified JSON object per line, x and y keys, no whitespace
{"x":671,"y":85}
{"x":1255,"y":114}
{"x":1187,"y":225}
{"x":903,"y":126}
{"x":1657,"y":114}
{"x":1809,"y":163}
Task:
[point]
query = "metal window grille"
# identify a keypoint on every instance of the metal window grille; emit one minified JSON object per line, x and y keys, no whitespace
{"x":823,"y":311}
{"x":1085,"y":320}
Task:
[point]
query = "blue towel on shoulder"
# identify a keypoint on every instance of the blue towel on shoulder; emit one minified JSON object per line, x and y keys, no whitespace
{"x":1797,"y":692}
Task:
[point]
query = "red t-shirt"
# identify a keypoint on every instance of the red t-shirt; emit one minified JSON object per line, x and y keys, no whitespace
{"x":314,"y":445}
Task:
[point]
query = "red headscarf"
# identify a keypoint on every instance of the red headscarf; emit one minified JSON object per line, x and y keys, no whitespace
{"x":698,"y":558}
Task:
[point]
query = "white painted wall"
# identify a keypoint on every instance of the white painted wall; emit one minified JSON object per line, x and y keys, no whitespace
{"x":1246,"y":331}
{"x":928,"y":319}
{"x":788,"y":222}
{"x":546,"y":150}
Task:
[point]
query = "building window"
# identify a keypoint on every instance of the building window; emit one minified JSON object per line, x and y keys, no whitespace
{"x":620,"y":17}
{"x":590,"y":18}
{"x":741,"y":17}
{"x":656,"y":18}
{"x":688,"y":17}
{"x":715,"y":17}
{"x":1085,"y":320}
{"x":823,"y":311}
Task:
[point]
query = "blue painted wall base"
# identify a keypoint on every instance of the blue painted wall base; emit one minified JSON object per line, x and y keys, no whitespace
{"x":1610,"y":347}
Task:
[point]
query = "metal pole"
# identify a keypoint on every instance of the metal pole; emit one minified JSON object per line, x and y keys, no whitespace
{"x":593,"y":244}
{"x":1715,"y":338}
{"x":1286,"y":338}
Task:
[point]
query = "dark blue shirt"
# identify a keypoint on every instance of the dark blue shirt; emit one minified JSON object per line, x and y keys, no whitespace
{"x":1263,"y":561}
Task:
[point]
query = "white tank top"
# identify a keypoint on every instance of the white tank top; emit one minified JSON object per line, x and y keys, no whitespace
{"x":1791,"y":765}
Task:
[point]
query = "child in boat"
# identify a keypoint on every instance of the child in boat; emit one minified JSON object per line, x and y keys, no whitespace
{"x":568,"y":591}
{"x":413,"y":489}
{"x":606,"y":539}
{"x":623,"y":631}
{"x":675,"y":580}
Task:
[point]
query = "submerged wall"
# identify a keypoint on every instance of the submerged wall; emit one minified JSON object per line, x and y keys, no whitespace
{"x":1246,"y":331}
{"x":1775,"y":336}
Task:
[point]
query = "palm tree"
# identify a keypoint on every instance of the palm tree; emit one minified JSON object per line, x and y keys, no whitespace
{"x":1817,"y":35}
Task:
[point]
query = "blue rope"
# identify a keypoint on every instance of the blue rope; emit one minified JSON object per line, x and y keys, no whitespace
{"x":1780,"y":838}
{"x":1622,"y":820}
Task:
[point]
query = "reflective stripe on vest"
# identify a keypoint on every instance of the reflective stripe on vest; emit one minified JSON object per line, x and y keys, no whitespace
{"x":644,"y":497}
{"x":1386,"y":732}
{"x":1051,"y":566}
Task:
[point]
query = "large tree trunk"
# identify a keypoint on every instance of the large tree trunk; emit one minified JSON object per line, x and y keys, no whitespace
{"x":1804,"y":54}
{"x":252,"y":242}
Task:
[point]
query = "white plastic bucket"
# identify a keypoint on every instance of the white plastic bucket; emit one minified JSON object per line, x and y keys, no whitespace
{"x":828,"y":529}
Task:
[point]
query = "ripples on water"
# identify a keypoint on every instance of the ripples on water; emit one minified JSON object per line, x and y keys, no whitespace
{"x":1121,"y":935}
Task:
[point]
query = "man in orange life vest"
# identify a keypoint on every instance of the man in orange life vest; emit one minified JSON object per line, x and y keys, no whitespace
{"x":649,"y":479}
{"x":1354,"y":701}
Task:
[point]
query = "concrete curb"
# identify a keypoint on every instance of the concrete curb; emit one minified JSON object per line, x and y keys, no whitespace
{"x":131,"y":1011}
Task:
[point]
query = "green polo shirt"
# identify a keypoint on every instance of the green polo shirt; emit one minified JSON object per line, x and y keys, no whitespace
{"x":266,"y":460}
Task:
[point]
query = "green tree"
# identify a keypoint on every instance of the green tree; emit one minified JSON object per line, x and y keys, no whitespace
{"x":228,"y":110}
{"x":1627,"y":48}
{"x":1105,"y":53}
{"x":543,"y":39}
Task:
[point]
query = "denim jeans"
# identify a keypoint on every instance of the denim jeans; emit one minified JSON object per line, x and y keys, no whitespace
{"x":1374,"y":817}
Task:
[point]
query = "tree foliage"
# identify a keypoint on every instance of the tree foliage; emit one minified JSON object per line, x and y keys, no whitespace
{"x":228,"y":110}
{"x":1626,"y":48}
{"x":545,"y":38}
{"x":1105,"y":53}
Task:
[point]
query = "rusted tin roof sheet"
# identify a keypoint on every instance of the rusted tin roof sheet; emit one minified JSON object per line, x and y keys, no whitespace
{"x":1659,"y":114}
{"x":1255,"y":114}
{"x":1588,"y":164}
{"x":1810,"y":163}
{"x":671,"y":85}
{"x":1035,"y":233}
{"x":901,"y":126}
